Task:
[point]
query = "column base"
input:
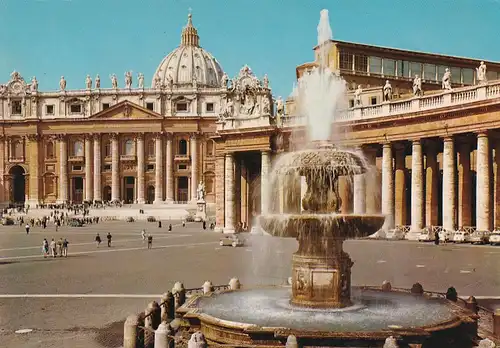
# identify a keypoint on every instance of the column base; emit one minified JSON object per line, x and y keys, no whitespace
{"x":218,"y":229}
{"x":412,"y":235}
{"x":141,"y":201}
{"x":169,"y":201}
{"x":229,"y":230}
{"x":158,"y":201}
{"x":32,"y":203}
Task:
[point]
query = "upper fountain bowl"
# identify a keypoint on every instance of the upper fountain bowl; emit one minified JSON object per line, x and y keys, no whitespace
{"x":322,"y":159}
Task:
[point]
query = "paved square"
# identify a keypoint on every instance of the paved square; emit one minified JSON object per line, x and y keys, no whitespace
{"x":82,"y":300}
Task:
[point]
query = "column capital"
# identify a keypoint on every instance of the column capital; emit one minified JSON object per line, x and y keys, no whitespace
{"x":33,"y":137}
{"x":482,"y":133}
{"x":386,"y":144}
{"x":139,"y":136}
{"x":158,"y":135}
{"x":169,"y":135}
{"x":194,"y":136}
{"x":229,"y":155}
{"x":114,"y":136}
{"x":96,"y":136}
{"x":448,"y":138}
{"x":416,"y":141}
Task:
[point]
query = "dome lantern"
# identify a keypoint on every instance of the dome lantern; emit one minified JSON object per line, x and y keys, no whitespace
{"x":189,"y":36}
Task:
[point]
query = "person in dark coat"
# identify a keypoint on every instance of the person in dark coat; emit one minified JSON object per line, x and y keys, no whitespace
{"x":436,"y":238}
{"x":170,"y":228}
{"x":204,"y":225}
{"x":109,"y":239}
{"x":159,"y":224}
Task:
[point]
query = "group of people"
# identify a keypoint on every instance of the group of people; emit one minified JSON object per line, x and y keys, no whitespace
{"x":98,"y":239}
{"x":54,"y":249}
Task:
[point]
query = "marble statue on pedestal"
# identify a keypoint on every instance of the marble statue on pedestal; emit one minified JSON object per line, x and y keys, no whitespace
{"x":34,"y":84}
{"x":265,"y":81}
{"x":97,"y":81}
{"x":446,"y":81}
{"x":224,"y":80}
{"x":62,"y":83}
{"x":417,"y":86}
{"x":387,"y":91}
{"x":481,"y":73}
{"x":201,"y":191}
{"x":88,"y":82}
{"x":157,"y":82}
{"x":357,"y":96}
{"x":390,"y":342}
{"x":140,"y":80}
{"x":114,"y":81}
{"x":280,"y":107}
{"x":128,"y":79}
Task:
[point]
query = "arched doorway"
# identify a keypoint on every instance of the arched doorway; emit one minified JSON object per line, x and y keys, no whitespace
{"x":106,"y":193}
{"x":183,"y":189}
{"x":151,"y":194}
{"x":18,"y":184}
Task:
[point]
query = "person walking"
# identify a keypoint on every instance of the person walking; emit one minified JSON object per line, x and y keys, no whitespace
{"x":183,"y":223}
{"x":143,"y":235}
{"x":98,"y":240}
{"x":159,"y":223}
{"x":150,"y":241}
{"x":45,"y":248}
{"x":65,"y":248}
{"x":59,"y":247}
{"x":27,"y":229}
{"x":109,"y":239}
{"x":169,"y":227}
{"x":436,"y":238}
{"x":53,"y":248}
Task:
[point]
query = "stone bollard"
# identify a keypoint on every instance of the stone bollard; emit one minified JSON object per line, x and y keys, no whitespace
{"x":291,"y":342}
{"x":390,"y":342}
{"x":179,"y":293}
{"x":496,"y":323}
{"x":234,"y":284}
{"x":208,"y":287}
{"x":486,"y":343}
{"x":451,"y":294}
{"x":471,"y":304}
{"x":161,"y":336}
{"x":197,"y":340}
{"x":417,"y":289}
{"x":386,"y":285}
{"x":130,"y":331}
{"x":149,"y":335}
{"x":167,"y":307}
{"x":156,"y":316}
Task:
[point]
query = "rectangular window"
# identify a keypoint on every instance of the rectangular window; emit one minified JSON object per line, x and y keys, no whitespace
{"x":150,"y":106}
{"x":429,"y":72}
{"x":456,"y":75}
{"x":77,"y":168}
{"x":389,"y":67}
{"x":361,"y":63}
{"x":405,"y":69}
{"x":375,"y":65}
{"x":468,"y":76}
{"x":441,"y":71}
{"x":49,"y":109}
{"x":374,"y":100}
{"x":105,"y":106}
{"x":351,"y":103}
{"x":107,"y":167}
{"x":491,"y":75}
{"x":345,"y":60}
{"x":416,"y":69}
{"x":210,"y":107}
{"x":75,"y":108}
{"x":181,"y":106}
{"x":16,"y":107}
{"x":150,"y":167}
{"x":182,"y":166}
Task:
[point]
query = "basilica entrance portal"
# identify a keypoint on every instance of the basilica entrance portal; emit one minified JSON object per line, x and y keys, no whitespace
{"x":77,"y":189}
{"x":106,"y":193}
{"x":18,"y":184}
{"x":182,"y":189}
{"x":129,"y":189}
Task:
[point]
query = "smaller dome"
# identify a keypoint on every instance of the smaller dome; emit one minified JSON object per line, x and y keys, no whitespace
{"x":189,"y":62}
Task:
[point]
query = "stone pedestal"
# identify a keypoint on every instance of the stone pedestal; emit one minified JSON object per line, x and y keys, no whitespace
{"x":201,"y":210}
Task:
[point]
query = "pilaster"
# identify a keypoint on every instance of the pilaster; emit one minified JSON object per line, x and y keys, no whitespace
{"x":33,"y":151}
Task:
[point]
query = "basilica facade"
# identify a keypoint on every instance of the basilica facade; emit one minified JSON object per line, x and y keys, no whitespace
{"x":132,"y":143}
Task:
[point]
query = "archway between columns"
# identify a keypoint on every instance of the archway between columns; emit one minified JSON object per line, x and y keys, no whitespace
{"x":18,"y":184}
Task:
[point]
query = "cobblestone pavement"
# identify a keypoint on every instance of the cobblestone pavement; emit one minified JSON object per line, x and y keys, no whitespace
{"x":36,"y":293}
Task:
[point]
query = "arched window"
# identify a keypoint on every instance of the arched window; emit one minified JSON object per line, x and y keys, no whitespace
{"x":50,"y":150}
{"x":183,"y":147}
{"x":210,"y":148}
{"x":129,"y":147}
{"x":78,"y":148}
{"x":107,"y":149}
{"x":151,"y":148}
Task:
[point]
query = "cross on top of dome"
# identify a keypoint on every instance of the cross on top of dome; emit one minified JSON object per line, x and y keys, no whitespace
{"x":189,"y":35}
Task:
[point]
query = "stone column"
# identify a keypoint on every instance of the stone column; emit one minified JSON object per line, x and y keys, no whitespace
{"x":169,"y":168}
{"x":158,"y":170}
{"x":141,"y":164}
{"x":449,"y":167}
{"x":359,"y":194}
{"x":417,"y":187}
{"x":346,"y":194}
{"x":431,"y":186}
{"x":115,"y":168}
{"x":372,"y":182}
{"x":3,"y":191}
{"x":387,"y":186}
{"x":33,"y":155}
{"x":265,"y":169}
{"x":63,"y":169}
{"x":97,"y":168}
{"x":400,"y":212}
{"x":194,"y":167}
{"x":89,"y":187}
{"x":483,"y":207}
{"x":496,"y":204}
{"x":219,"y":193}
{"x":464,"y":186}
{"x":229,"y":194}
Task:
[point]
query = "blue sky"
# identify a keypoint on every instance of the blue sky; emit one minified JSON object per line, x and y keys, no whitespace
{"x":50,"y":38}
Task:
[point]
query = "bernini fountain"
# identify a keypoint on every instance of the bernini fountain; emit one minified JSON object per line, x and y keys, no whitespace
{"x":322,"y":308}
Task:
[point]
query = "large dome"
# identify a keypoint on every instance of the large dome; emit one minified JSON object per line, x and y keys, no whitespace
{"x":188,"y":62}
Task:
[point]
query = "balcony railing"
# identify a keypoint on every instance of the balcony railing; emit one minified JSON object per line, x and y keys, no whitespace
{"x":16,"y":159}
{"x":127,"y":157}
{"x":458,"y":96}
{"x":76,"y":158}
{"x":179,"y":157}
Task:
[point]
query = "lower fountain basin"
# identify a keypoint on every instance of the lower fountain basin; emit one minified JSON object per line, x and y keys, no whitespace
{"x":247,"y":316}
{"x":343,"y":226}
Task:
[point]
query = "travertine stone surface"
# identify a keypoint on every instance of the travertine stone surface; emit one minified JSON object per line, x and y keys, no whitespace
{"x":387,"y":186}
{"x":464,"y":186}
{"x":264,"y":181}
{"x":417,"y":187}
{"x":359,"y":194}
{"x":431,"y":186}
{"x":97,"y":168}
{"x":140,"y":169}
{"x":483,"y":199}
{"x":229,"y":194}
{"x":400,"y":214}
{"x":158,"y":170}
{"x":449,"y":191}
{"x":115,"y":169}
{"x":63,"y":170}
{"x":89,"y":187}
{"x":219,"y":193}
{"x":194,"y":167}
{"x":169,"y":162}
